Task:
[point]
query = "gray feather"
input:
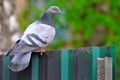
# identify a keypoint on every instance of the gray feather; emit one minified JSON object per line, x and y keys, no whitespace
{"x":47,"y":19}
{"x":20,"y":62}
{"x":21,"y":47}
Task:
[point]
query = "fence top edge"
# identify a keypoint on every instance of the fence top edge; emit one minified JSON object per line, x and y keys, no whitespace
{"x":82,"y":48}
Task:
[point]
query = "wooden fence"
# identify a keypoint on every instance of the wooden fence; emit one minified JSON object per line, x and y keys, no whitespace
{"x":77,"y":64}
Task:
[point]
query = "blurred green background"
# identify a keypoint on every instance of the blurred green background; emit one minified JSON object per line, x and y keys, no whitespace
{"x":84,"y":23}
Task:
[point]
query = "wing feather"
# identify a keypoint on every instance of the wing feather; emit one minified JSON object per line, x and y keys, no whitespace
{"x":21,"y":47}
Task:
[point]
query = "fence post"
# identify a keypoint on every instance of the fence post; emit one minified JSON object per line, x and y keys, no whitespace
{"x":104,"y":68}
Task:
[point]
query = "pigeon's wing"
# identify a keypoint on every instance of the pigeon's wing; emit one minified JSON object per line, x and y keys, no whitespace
{"x":21,"y":47}
{"x":36,"y":36}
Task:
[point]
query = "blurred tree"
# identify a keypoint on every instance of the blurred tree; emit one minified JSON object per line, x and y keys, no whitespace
{"x":9,"y":25}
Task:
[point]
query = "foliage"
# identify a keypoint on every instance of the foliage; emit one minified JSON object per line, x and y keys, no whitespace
{"x":77,"y":26}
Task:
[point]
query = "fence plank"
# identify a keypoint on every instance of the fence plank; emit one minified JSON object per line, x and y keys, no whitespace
{"x":65,"y":65}
{"x":113,"y":56}
{"x":83,"y":65}
{"x":100,"y":69}
{"x":74,"y":66}
{"x":6,"y":70}
{"x":43,"y":67}
{"x":104,"y":51}
{"x":22,"y":75}
{"x":95,"y":55}
{"x":108,"y":68}
{"x":104,"y":68}
{"x":35,"y":67}
{"x":53,"y":65}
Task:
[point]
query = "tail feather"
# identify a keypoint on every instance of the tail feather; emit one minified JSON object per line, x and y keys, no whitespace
{"x":20,"y":62}
{"x":17,"y":67}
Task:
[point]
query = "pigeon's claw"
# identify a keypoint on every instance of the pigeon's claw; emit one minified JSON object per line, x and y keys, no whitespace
{"x":42,"y":52}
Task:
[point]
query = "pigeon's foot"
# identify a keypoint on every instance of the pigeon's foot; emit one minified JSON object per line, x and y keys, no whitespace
{"x":42,"y":52}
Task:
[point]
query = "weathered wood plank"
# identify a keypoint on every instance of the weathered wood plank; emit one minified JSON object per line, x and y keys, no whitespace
{"x":108,"y":68}
{"x":100,"y":69}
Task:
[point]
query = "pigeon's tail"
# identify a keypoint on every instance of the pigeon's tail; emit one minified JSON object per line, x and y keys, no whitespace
{"x":20,"y":62}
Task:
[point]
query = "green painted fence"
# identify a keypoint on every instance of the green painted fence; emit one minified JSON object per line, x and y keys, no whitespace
{"x":74,"y":64}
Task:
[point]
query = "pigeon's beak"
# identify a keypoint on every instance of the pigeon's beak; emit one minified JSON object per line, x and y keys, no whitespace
{"x":59,"y":12}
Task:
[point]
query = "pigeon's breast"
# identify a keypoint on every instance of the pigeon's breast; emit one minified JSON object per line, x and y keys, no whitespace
{"x":40,"y":35}
{"x":48,"y":33}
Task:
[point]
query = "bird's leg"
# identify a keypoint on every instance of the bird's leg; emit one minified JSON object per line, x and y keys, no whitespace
{"x":42,"y":52}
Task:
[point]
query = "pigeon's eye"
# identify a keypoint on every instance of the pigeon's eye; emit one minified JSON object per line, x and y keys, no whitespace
{"x":55,"y":9}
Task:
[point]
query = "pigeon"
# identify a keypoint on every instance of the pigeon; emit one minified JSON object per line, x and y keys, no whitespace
{"x":37,"y":36}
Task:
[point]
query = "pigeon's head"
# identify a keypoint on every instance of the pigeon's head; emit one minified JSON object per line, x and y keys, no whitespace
{"x":54,"y":10}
